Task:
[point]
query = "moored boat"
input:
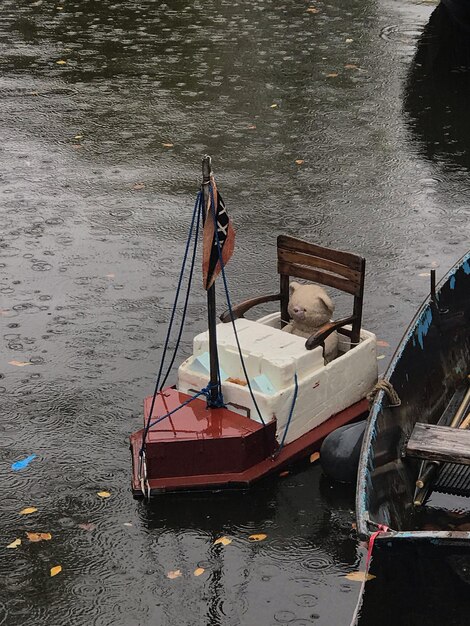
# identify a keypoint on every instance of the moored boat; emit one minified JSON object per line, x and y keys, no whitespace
{"x":252,"y":399}
{"x":414,"y":477}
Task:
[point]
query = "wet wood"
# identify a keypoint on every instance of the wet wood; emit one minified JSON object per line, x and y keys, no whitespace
{"x":344,"y":258}
{"x":439,"y":443}
{"x":317,"y":262}
{"x":325,"y":331}
{"x":315,"y":276}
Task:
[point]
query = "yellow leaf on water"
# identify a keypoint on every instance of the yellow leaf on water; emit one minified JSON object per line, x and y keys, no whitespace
{"x":56,"y":570}
{"x":380,"y":357}
{"x":39,"y":536}
{"x":61,"y":62}
{"x":28,"y":510}
{"x":274,"y":106}
{"x":332,"y":75}
{"x":104,"y":494}
{"x":14,"y":544}
{"x":349,"y":40}
{"x":167,"y":145}
{"x":174,"y":574}
{"x":313,"y":10}
{"x":225,"y":541}
{"x":259,"y":537}
{"x":198,"y":571}
{"x":19,"y":363}
{"x":314,"y":457}
{"x":78,"y":137}
{"x":300,"y":161}
{"x":359,"y":576}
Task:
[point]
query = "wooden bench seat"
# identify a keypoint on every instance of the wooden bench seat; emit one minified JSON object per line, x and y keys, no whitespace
{"x":439,"y":443}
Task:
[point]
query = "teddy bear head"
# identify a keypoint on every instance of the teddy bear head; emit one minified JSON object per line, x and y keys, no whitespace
{"x":309,"y":305}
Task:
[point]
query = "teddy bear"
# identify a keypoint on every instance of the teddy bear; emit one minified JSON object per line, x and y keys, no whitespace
{"x":309,"y":308}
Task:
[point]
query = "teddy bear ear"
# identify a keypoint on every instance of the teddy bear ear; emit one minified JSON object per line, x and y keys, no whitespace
{"x":293,"y":286}
{"x":327,"y":302}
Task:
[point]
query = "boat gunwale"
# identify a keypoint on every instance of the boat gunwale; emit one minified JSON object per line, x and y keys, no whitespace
{"x":363,"y":523}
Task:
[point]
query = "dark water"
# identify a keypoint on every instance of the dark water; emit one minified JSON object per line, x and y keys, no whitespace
{"x":94,"y":215}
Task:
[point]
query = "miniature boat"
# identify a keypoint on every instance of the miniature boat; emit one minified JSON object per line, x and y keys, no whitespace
{"x":252,"y":399}
{"x":414,"y":476}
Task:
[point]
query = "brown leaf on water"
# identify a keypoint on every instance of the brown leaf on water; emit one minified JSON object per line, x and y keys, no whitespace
{"x":225,"y":541}
{"x":332,"y":75}
{"x":285,"y":473}
{"x":138,"y":186}
{"x":28,"y":510}
{"x":34,"y":537}
{"x":198,"y":571}
{"x":56,"y":570}
{"x":252,"y":127}
{"x":61,"y":62}
{"x":313,"y":10}
{"x":383,"y":344}
{"x":176,"y":573}
{"x":14,"y":544}
{"x":104,"y":494}
{"x":167,"y":145}
{"x":258,"y":537}
{"x":314,"y":457}
{"x":359,"y":576}
{"x":19,"y":363}
{"x":300,"y":161}
{"x":88,"y":526}
{"x":351,"y":66}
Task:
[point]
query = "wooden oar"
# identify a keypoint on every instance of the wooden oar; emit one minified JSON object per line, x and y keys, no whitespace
{"x":427,"y":475}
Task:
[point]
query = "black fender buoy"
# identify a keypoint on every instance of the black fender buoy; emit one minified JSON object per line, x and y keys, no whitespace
{"x":340,"y":451}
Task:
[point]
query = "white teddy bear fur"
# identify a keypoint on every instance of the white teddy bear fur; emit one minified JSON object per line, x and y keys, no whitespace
{"x":309,"y":308}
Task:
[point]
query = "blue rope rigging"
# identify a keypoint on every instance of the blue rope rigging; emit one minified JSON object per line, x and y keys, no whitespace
{"x":195,"y":220}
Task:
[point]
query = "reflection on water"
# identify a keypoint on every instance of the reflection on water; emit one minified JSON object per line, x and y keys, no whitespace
{"x":438,"y":88}
{"x":105,"y":110}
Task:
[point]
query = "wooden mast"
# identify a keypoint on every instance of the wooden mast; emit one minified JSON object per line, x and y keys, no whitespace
{"x":211,"y":308}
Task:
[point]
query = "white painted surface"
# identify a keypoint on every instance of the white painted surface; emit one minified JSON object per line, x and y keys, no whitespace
{"x":272,"y":357}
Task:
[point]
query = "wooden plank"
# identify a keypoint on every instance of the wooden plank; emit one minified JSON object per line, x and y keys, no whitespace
{"x":323,"y":278}
{"x":439,"y":443}
{"x":318,"y":263}
{"x":353,"y":261}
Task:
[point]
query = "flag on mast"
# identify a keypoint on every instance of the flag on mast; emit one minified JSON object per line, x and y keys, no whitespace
{"x":216,"y":217}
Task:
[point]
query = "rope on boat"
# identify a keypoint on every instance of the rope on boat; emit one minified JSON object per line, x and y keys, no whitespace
{"x":195,"y":220}
{"x":291,"y":412}
{"x":387,"y":387}
{"x":229,"y":304}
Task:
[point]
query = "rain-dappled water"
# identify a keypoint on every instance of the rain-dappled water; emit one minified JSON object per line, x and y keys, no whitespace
{"x":105,"y":111}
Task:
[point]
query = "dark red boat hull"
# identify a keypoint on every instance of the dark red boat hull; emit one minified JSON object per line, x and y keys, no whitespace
{"x":201,"y":448}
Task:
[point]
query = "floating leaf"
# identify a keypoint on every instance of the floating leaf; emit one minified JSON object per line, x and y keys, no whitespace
{"x":33,"y":537}
{"x":110,"y":275}
{"x":87,"y":526}
{"x":28,"y":510}
{"x":138,"y":186}
{"x":300,"y":161}
{"x":198,"y":571}
{"x":274,"y":106}
{"x":380,"y":357}
{"x":359,"y":576}
{"x":14,"y":544}
{"x":382,"y":343}
{"x":349,"y":40}
{"x":167,"y":145}
{"x":354,"y":525}
{"x":19,"y":465}
{"x":19,"y":363}
{"x":351,"y":66}
{"x":251,"y":127}
{"x":127,"y":524}
{"x":61,"y":62}
{"x":332,"y":75}
{"x":225,"y":541}
{"x":313,"y":10}
{"x":56,"y":570}
{"x":104,"y":494}
{"x":314,"y":457}
{"x":78,"y":137}
{"x":174,"y":574}
{"x":285,"y":473}
{"x":259,"y":537}
{"x":424,"y":274}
